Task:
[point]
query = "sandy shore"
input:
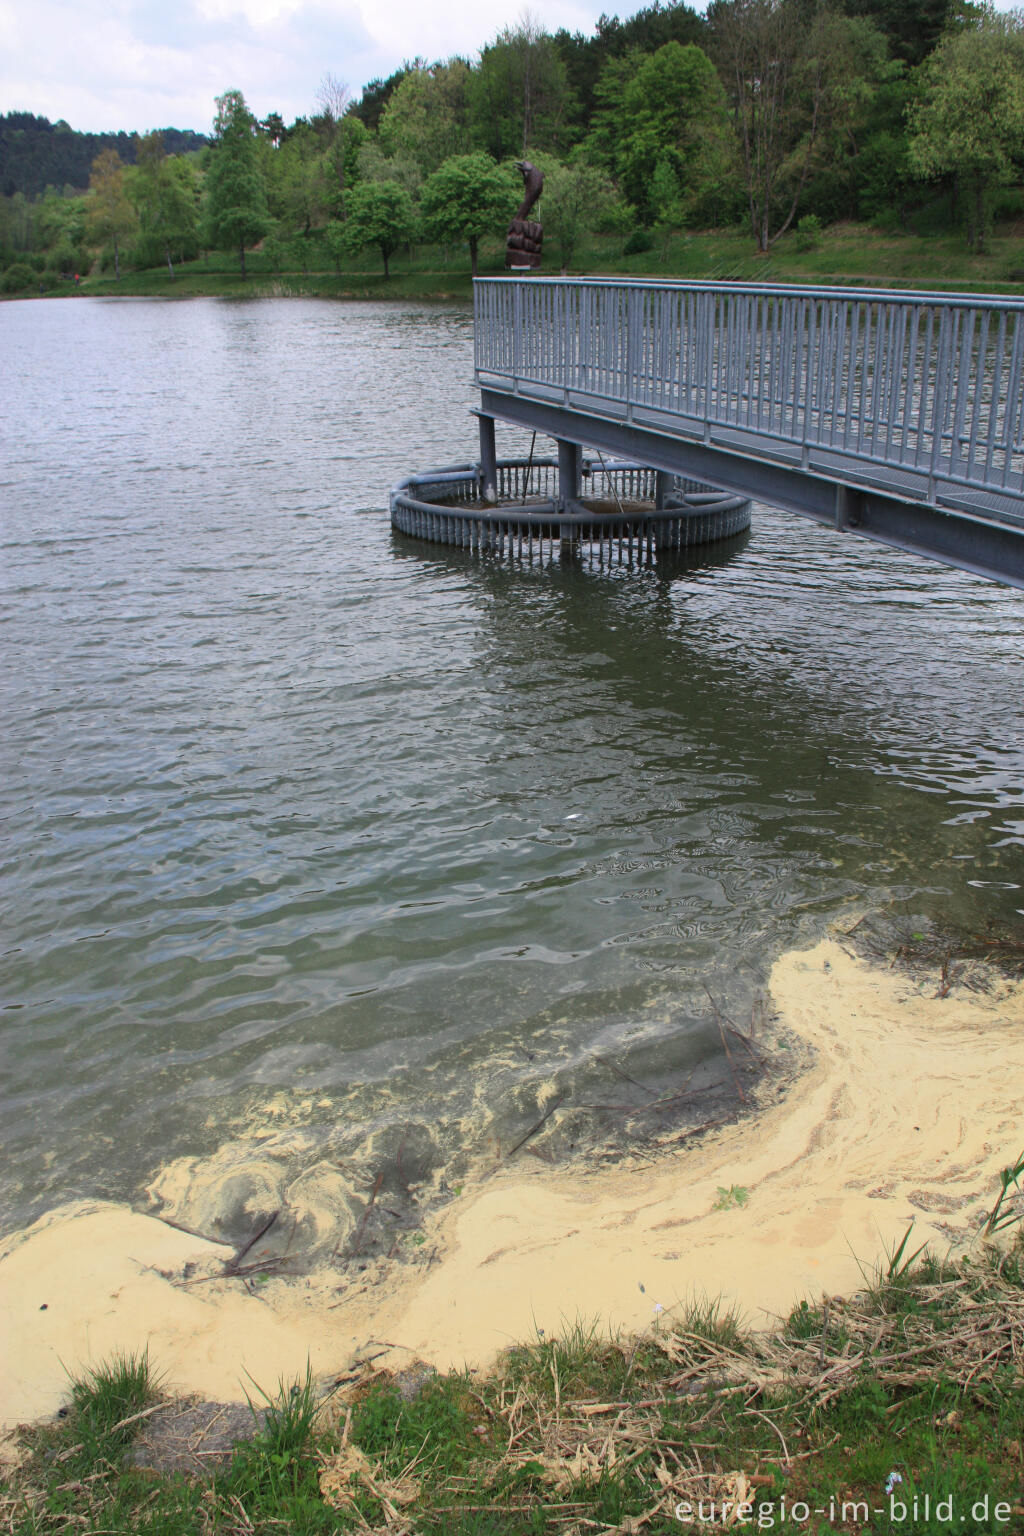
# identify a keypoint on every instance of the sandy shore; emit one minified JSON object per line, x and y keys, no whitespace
{"x":908,"y":1111}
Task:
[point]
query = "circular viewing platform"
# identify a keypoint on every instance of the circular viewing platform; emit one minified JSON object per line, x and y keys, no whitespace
{"x":624,"y":513}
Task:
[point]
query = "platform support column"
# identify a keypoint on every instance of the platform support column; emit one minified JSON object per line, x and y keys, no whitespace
{"x":570,"y":470}
{"x":664,"y":485}
{"x":488,"y":459}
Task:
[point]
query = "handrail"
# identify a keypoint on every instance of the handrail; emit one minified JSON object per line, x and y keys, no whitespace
{"x":782,"y":290}
{"x":920,"y":395}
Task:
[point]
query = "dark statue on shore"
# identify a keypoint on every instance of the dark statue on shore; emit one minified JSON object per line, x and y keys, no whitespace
{"x":525,"y":235}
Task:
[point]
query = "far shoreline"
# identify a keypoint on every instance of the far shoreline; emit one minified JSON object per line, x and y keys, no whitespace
{"x":844,"y":255}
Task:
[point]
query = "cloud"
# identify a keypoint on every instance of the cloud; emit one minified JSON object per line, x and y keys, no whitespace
{"x":140,"y":64}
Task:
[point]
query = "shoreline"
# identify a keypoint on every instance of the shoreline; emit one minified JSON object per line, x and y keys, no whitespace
{"x":885,"y":1127}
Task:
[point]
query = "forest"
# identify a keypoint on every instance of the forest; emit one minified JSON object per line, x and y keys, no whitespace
{"x":770,"y":119}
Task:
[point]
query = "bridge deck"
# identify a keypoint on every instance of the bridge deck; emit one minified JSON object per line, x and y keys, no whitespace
{"x":898,"y":415}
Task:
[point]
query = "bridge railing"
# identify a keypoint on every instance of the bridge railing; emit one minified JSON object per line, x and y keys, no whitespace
{"x":919,"y":394}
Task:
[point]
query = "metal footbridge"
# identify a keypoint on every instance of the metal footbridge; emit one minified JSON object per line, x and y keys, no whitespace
{"x":897,"y":416}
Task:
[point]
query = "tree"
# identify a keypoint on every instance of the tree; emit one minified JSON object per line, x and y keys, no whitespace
{"x":111,"y":215}
{"x":425,"y":118}
{"x":577,"y":198}
{"x":970,"y":122}
{"x":377,"y":94}
{"x":301,"y":180}
{"x":645,"y":31}
{"x":793,"y":76}
{"x":666,"y":109}
{"x":342,"y":135}
{"x":380,"y":213}
{"x":913,"y":27}
{"x":518,"y":94}
{"x":468,"y":197}
{"x":236,"y":198}
{"x":166,"y":196}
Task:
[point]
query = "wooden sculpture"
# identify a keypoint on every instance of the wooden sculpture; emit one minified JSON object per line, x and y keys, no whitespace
{"x":525,"y":235}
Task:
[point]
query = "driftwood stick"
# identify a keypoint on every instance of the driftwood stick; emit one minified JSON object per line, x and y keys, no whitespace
{"x":545,"y":1117}
{"x":366,"y":1214}
{"x":231,"y":1267}
{"x":625,"y":1076}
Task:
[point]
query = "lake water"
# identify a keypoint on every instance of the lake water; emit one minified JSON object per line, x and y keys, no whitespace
{"x":303,"y":822}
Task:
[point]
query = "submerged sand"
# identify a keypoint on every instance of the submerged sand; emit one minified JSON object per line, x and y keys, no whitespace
{"x":909,"y":1108}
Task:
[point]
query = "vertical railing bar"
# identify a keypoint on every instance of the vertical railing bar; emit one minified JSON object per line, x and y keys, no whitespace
{"x":962,"y":385}
{"x":802,"y":382}
{"x":894,"y":380}
{"x":876,"y":371}
{"x":978,"y":392}
{"x":848,"y":349}
{"x":947,"y":339}
{"x":1013,"y":399}
{"x":996,"y":396}
{"x":1012,"y":391}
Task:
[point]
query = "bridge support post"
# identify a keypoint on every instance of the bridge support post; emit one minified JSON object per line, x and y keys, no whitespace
{"x":570,"y":469}
{"x":488,"y":459}
{"x":664,"y":485}
{"x":847,"y":507}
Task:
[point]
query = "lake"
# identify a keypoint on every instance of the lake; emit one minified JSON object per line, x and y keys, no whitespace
{"x":306,"y":825}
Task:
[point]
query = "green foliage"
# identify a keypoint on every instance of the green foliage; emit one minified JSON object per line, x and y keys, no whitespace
{"x":969,"y":122}
{"x":434,"y":1424}
{"x":808,"y":232}
{"x":800,"y":83}
{"x":578,"y":199}
{"x":467,"y":198}
{"x":236,"y":198}
{"x":637,"y":242}
{"x":728,"y":1199}
{"x":165,"y":192}
{"x":1008,"y":1209}
{"x":36,"y":154}
{"x":426,"y":118}
{"x":19,"y":277}
{"x":105,"y":1402}
{"x":518,"y":96}
{"x":111,"y":215}
{"x":275,"y":1460}
{"x":666,"y":110}
{"x":379,"y":213}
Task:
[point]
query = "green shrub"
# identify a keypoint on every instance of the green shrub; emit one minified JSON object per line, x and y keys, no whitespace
{"x":638,"y":242}
{"x":808,"y":233}
{"x":19,"y":277}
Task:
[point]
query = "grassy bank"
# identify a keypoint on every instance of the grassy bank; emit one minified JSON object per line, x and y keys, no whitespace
{"x":912,"y":1386}
{"x":845,"y":254}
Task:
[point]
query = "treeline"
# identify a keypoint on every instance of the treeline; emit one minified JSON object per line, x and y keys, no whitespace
{"x":36,"y":154}
{"x":769,"y":114}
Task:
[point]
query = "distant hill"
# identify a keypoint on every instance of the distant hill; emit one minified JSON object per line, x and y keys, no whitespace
{"x":36,"y":154}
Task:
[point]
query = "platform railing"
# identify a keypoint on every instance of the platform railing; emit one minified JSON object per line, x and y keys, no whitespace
{"x":917,"y":394}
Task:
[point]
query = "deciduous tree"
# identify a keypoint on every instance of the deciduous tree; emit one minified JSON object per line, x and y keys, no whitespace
{"x":666,"y":108}
{"x":469,"y":197}
{"x":379,"y":213}
{"x":970,"y":121}
{"x":518,"y":94}
{"x":577,"y":198}
{"x":792,"y":76}
{"x":111,"y":215}
{"x":166,"y":196}
{"x":236,"y":197}
{"x":426,"y":117}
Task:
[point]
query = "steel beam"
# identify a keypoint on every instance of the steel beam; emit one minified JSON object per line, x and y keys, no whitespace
{"x":993,"y":550}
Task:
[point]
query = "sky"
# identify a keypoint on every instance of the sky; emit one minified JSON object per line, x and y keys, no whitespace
{"x":143,"y":64}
